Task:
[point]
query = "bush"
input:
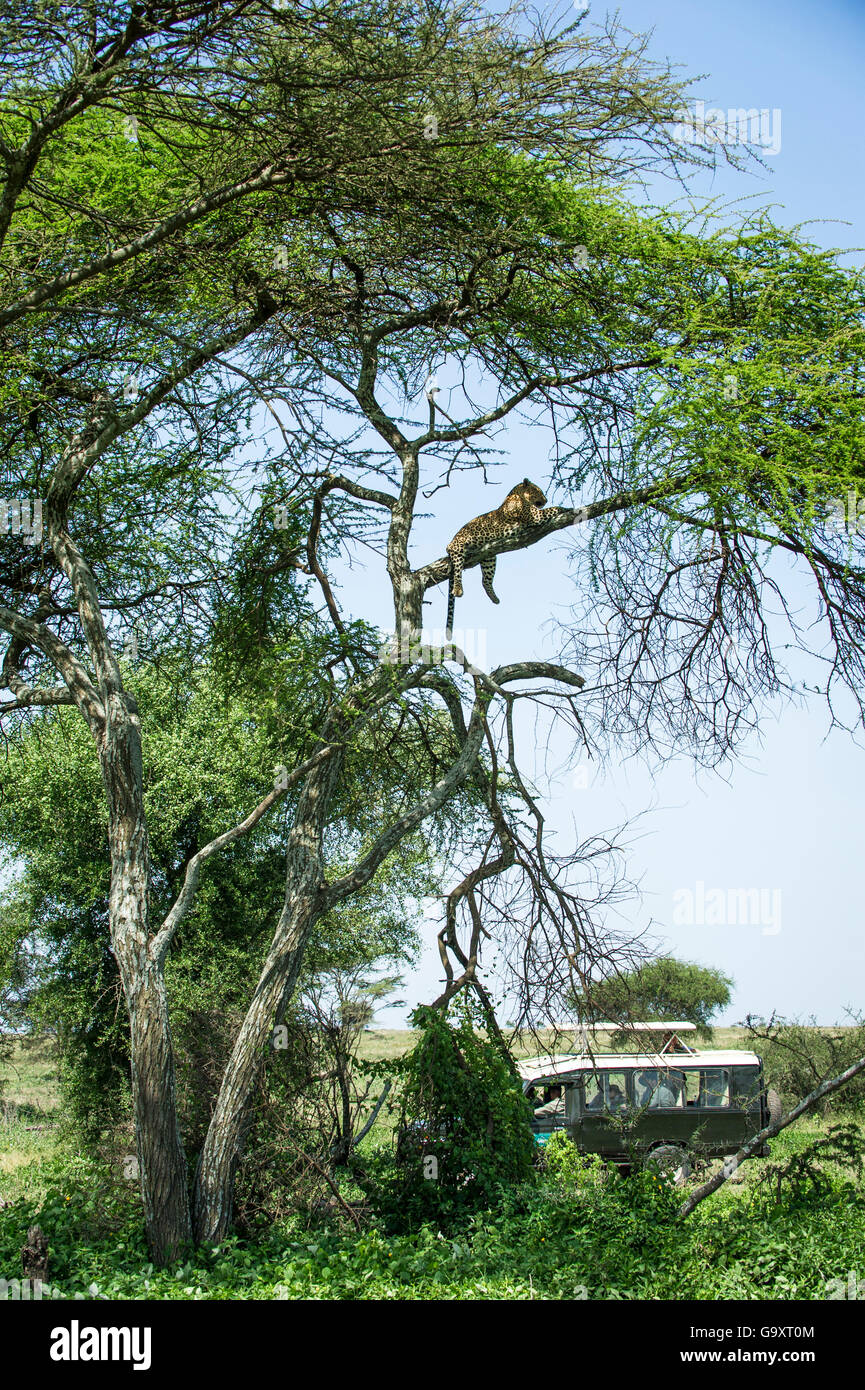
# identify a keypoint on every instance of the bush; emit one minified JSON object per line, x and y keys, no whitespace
{"x":464,"y":1123}
{"x":798,"y":1056}
{"x":564,"y":1166}
{"x":619,"y":1239}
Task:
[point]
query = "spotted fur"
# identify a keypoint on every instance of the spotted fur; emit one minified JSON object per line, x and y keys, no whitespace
{"x":521,"y":508}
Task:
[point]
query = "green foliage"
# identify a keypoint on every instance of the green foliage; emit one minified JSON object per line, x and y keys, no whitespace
{"x":210,"y":756}
{"x":564,"y":1166}
{"x":804,"y":1176}
{"x":617,"y":1239}
{"x":17,"y":965}
{"x":797,"y":1056}
{"x":659,"y":990}
{"x":463,"y":1120}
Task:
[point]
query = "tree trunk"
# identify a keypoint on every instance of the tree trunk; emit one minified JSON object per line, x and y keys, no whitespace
{"x":217,"y":1164}
{"x":162,"y":1163}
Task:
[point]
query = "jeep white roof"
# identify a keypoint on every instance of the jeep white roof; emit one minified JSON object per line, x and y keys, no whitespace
{"x":533,"y":1068}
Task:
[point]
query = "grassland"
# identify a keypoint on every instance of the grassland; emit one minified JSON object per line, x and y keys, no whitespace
{"x":379,"y":1043}
{"x":30,"y":1119}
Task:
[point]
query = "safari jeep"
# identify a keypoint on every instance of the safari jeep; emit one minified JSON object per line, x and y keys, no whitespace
{"x":671,"y":1101}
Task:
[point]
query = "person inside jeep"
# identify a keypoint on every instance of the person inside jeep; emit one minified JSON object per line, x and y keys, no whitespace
{"x":614,"y":1100}
{"x":666,"y":1095}
{"x":554,"y":1104}
{"x":617,"y":1097}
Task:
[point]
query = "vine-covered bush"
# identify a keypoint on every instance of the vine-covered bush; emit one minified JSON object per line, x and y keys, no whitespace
{"x":463,"y":1128}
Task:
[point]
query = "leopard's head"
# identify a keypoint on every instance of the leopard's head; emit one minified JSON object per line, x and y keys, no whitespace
{"x":531,"y":493}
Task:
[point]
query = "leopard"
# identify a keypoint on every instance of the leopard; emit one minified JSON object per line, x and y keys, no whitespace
{"x":521,"y":508}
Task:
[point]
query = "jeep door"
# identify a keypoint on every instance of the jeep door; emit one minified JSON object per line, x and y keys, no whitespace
{"x":601,"y":1101}
{"x":664,"y":1099}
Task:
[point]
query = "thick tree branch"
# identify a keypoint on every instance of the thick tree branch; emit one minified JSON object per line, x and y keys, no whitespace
{"x":33,"y":634}
{"x":161,"y":941}
{"x":535,"y":383}
{"x":425,"y":806}
{"x":558,"y":519}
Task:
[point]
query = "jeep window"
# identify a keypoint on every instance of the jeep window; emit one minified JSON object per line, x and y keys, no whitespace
{"x":660,"y":1089}
{"x":716,"y":1087}
{"x":746,"y":1088}
{"x":548,"y":1101}
{"x":606,"y":1090}
{"x":692,"y":1087}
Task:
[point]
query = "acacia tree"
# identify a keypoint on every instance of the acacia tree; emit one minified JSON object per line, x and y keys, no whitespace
{"x":159,"y":160}
{"x":572,"y":302}
{"x":660,"y":989}
{"x":705,"y":395}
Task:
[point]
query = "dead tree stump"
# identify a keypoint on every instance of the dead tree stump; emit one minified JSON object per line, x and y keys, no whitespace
{"x":35,"y":1255}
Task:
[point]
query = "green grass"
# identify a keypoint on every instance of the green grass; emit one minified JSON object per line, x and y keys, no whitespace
{"x":381,"y":1044}
{"x":28,"y":1080}
{"x":31,"y":1076}
{"x":28,"y":1109}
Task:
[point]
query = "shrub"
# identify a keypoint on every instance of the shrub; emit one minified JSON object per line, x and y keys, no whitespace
{"x":464,"y":1128}
{"x":564,"y":1166}
{"x":798,"y":1056}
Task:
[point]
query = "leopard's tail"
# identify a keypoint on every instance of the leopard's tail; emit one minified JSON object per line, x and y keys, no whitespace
{"x":452,"y":598}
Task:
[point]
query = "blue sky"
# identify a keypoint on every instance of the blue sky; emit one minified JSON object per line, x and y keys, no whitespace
{"x":786,"y":821}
